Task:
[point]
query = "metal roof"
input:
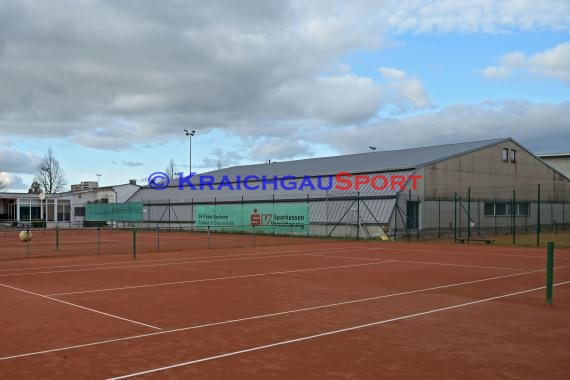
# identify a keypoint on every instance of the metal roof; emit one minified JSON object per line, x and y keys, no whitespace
{"x":553,"y":155}
{"x":369,"y":162}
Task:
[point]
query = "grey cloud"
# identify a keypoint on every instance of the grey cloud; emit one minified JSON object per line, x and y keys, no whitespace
{"x":539,"y":126}
{"x":132,"y":70}
{"x":220,"y":157}
{"x":113,"y":74}
{"x":127,"y":163}
{"x":14,"y":161}
{"x":131,"y":163}
{"x":11,"y":182}
{"x":553,"y":63}
{"x":280,"y":149}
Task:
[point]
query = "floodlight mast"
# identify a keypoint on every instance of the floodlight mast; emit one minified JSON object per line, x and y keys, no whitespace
{"x":189,"y":134}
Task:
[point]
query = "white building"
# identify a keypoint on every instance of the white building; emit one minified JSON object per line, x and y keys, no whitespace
{"x":559,"y":161}
{"x":61,"y":209}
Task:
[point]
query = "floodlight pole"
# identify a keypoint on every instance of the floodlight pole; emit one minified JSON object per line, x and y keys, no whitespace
{"x":189,"y":134}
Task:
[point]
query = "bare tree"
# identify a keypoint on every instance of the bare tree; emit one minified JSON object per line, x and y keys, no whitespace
{"x":49,"y":174}
{"x":171,"y":169}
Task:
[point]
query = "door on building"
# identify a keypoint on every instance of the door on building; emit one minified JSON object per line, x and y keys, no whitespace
{"x":412,"y":215}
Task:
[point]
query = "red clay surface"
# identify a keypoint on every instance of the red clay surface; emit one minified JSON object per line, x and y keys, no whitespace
{"x":351,"y":310}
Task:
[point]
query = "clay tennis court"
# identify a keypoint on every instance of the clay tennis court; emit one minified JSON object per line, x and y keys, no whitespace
{"x":308,"y":308}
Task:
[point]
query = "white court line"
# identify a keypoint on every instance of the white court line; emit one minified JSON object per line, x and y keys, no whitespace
{"x":155,"y":265}
{"x":270,"y":315}
{"x":333,"y":332}
{"x":420,"y":262}
{"x":376,"y":262}
{"x":487,"y":254}
{"x":158,"y":260}
{"x":80,"y":307}
{"x":220,"y":278}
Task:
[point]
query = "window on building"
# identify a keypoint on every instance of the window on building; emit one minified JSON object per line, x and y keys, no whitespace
{"x":523,"y":209}
{"x":79,"y":211}
{"x":505,"y":209}
{"x":505,"y":154}
{"x":489,"y":209}
{"x":63,"y":210}
{"x":30,"y":213}
{"x":49,"y":207}
{"x":501,"y":209}
{"x":513,"y":155}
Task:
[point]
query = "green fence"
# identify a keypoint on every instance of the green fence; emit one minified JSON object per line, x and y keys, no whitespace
{"x":280,"y":218}
{"x":116,"y":212}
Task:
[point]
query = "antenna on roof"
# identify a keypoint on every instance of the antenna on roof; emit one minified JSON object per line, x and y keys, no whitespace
{"x":372,"y":148}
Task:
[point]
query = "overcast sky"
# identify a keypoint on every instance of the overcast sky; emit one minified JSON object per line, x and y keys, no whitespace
{"x":110,"y":85}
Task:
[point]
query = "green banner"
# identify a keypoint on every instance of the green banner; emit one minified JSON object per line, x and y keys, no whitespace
{"x":117,"y":212}
{"x":265,"y":217}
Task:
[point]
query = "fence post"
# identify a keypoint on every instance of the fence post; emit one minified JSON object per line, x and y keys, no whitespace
{"x":563,"y":219}
{"x":551,"y":216}
{"x":357,"y":215}
{"x":460,"y":217}
{"x":549,"y":271}
{"x":495,"y":215}
{"x":308,"y":207}
{"x":455,"y":216}
{"x":98,"y":240}
{"x":479,"y":216}
{"x":418,"y":226}
{"x":57,"y":238}
{"x":514,"y":217}
{"x":538,"y":218}
{"x":407,"y":216}
{"x":208,"y":236}
{"x":468,"y":215}
{"x":396,"y":219}
{"x":134,"y":244}
{"x":439,"y":217}
{"x":157,"y":238}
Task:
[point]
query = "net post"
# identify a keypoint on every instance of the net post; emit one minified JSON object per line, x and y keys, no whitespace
{"x":549,"y":271}
{"x":28,"y":241}
{"x":253,"y":235}
{"x":57,"y":238}
{"x":134,"y":244}
{"x":98,"y":240}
